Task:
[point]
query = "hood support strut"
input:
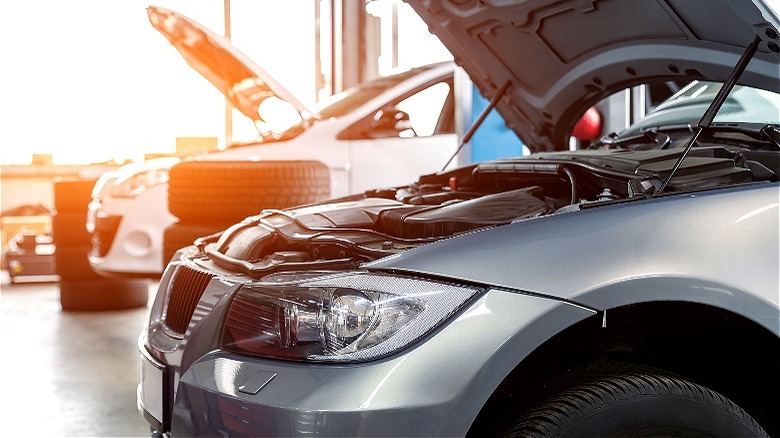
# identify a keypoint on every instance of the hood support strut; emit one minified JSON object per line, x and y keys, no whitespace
{"x":477,"y":123}
{"x":717,"y":102}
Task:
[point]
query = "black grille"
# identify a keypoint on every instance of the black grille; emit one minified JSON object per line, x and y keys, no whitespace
{"x":186,"y":289}
{"x":103,"y":236}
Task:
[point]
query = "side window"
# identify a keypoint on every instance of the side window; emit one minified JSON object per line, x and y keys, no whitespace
{"x":426,"y":108}
{"x":427,"y":112}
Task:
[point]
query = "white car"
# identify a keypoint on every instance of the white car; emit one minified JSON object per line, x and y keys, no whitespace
{"x":382,"y":133}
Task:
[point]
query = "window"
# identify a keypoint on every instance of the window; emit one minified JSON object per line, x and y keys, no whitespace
{"x":426,"y":108}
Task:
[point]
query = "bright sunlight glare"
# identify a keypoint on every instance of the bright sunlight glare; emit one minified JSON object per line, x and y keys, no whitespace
{"x":91,"y":81}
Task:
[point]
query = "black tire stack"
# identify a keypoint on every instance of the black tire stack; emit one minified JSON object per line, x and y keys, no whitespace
{"x":209,"y":196}
{"x":80,"y":287}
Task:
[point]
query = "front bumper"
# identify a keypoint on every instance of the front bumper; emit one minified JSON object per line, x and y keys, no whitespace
{"x":152,"y":398}
{"x":103,"y":234}
{"x":127,"y":235}
{"x":435,"y":387}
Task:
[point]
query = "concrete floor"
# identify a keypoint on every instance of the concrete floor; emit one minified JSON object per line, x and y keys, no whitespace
{"x":67,"y":373}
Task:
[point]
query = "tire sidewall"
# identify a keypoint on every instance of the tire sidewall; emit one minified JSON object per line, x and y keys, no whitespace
{"x":658,"y":415}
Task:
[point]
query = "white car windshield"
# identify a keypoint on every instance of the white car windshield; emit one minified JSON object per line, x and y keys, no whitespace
{"x":348,"y":100}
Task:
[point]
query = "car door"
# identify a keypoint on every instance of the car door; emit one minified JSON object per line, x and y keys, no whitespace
{"x":411,"y":135}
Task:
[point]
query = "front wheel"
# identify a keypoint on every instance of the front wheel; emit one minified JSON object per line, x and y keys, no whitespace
{"x":633,"y":401}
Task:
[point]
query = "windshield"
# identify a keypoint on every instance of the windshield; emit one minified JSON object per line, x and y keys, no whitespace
{"x":743,"y":105}
{"x":283,"y":122}
{"x":348,"y":100}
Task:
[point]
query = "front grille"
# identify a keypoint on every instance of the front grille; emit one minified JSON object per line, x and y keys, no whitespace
{"x":187,"y":286}
{"x":103,"y":236}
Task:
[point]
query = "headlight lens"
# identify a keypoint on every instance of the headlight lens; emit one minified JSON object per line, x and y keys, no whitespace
{"x":348,"y":317}
{"x":139,"y":182}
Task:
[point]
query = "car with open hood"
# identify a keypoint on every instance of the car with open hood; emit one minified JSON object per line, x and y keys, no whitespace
{"x":384,"y":132}
{"x":627,"y":289}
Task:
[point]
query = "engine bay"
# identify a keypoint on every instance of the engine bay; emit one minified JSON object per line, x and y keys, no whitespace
{"x":343,"y":233}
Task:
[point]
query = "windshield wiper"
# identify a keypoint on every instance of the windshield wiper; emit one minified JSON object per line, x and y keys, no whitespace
{"x":656,"y":140}
{"x":717,"y":102}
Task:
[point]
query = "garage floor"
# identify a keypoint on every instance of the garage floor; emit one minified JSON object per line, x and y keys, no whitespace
{"x":67,"y":373}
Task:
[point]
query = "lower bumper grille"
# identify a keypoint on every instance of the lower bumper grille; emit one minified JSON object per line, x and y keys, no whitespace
{"x":103,"y":236}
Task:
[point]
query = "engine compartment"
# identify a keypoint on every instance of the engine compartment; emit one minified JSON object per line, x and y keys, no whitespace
{"x":343,"y":233}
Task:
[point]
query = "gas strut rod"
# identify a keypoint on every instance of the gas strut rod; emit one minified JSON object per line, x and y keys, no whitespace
{"x":477,"y":123}
{"x":717,"y":102}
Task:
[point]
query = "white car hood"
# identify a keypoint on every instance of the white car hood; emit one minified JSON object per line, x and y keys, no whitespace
{"x":243,"y":82}
{"x":559,"y":57}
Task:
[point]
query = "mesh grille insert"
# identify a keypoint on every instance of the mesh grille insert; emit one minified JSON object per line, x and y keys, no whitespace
{"x":186,"y":289}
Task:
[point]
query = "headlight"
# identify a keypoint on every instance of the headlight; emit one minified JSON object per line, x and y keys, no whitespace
{"x":136,"y":183}
{"x":351,"y":317}
{"x":103,"y":184}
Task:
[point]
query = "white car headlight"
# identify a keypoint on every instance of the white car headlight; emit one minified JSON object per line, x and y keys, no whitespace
{"x":355,"y":316}
{"x":137,"y":183}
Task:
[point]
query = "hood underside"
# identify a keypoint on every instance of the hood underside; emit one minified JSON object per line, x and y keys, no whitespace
{"x":243,"y":82}
{"x":559,"y":57}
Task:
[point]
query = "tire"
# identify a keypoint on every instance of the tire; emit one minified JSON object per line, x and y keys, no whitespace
{"x":68,"y":228}
{"x":627,"y":400}
{"x":228,"y":191}
{"x":180,"y":235}
{"x":71,"y":263}
{"x":73,"y":195}
{"x":103,"y":294}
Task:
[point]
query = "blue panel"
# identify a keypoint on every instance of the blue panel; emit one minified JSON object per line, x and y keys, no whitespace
{"x":493,"y":139}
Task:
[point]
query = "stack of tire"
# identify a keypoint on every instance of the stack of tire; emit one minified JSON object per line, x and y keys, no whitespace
{"x":80,"y":287}
{"x":209,"y":196}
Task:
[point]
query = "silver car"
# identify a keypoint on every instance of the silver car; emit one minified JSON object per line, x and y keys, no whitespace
{"x":626,"y":289}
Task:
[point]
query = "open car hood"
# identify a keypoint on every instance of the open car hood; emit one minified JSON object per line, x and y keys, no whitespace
{"x":556,"y":58}
{"x":243,"y":82}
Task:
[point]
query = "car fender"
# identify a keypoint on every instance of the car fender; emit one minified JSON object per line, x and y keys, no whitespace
{"x":717,"y":247}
